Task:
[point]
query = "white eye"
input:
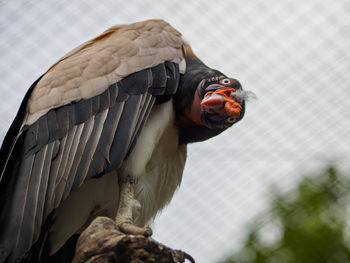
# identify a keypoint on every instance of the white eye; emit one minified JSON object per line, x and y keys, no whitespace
{"x":231,"y":120}
{"x":226,"y":81}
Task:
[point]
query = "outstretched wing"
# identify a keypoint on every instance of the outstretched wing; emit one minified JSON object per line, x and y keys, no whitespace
{"x":81,"y":123}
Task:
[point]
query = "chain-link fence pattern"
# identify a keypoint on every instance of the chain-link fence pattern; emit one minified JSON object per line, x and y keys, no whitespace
{"x":293,"y":54}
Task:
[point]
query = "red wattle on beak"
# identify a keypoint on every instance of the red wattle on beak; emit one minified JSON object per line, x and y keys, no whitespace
{"x":222,"y":102}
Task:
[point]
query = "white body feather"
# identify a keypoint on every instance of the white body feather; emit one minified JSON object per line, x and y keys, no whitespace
{"x":156,"y":163}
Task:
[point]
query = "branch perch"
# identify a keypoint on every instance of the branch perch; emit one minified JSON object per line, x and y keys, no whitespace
{"x":102,"y":242}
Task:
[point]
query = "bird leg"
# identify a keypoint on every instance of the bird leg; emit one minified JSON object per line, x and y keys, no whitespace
{"x":124,"y":217}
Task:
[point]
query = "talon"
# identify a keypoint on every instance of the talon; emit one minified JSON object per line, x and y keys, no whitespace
{"x":129,"y":228}
{"x":124,"y":219}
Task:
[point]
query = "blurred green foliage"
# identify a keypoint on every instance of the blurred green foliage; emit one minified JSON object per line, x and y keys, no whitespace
{"x":308,"y":225}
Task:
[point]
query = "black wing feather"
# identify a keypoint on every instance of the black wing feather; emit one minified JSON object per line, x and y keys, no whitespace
{"x":12,"y":133}
{"x":68,"y":145}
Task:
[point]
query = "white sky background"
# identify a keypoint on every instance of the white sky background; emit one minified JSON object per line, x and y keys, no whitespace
{"x":293,"y":54}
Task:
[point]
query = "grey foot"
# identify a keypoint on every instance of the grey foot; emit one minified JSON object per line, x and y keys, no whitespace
{"x":131,"y":229}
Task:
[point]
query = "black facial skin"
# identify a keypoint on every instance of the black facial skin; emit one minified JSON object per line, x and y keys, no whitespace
{"x":215,"y":120}
{"x":218,"y":82}
{"x":189,"y":131}
{"x":214,"y":123}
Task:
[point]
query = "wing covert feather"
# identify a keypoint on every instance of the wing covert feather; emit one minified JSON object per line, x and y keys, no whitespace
{"x":70,"y":144}
{"x":86,"y":71}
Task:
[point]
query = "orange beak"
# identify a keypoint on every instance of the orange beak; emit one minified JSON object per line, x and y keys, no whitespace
{"x":213,"y":101}
{"x":222,"y":102}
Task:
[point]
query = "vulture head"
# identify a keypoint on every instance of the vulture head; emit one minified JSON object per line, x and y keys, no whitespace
{"x":215,"y":102}
{"x":220,"y":102}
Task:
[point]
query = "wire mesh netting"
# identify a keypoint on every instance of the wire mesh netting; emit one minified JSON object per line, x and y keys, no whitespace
{"x":293,"y":54}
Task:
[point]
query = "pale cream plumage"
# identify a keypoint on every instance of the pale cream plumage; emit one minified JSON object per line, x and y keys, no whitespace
{"x":87,"y":71}
{"x":158,"y":172}
{"x":90,"y":68}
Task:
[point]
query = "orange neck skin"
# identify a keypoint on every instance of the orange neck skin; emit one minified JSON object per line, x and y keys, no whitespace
{"x":194,"y":111}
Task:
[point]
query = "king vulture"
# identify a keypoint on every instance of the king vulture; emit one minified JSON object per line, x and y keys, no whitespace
{"x":103,"y":132}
